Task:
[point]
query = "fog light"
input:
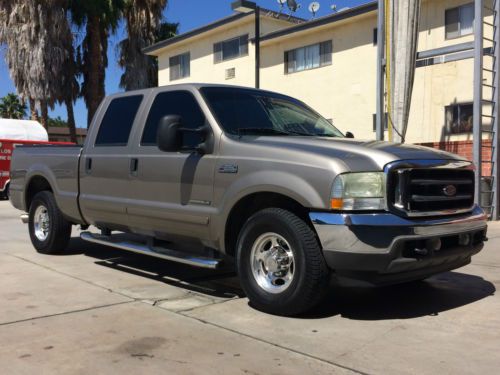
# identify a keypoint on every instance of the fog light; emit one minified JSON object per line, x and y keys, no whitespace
{"x":464,"y":239}
{"x":433,"y":244}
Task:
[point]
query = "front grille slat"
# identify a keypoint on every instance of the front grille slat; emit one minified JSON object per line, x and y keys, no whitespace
{"x":435,"y":198}
{"x":441,"y":182}
{"x":421,"y":191}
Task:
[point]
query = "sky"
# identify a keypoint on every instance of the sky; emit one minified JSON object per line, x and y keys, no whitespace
{"x":190,"y":14}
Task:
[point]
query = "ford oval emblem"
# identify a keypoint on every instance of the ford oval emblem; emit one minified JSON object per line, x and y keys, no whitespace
{"x":450,"y":190}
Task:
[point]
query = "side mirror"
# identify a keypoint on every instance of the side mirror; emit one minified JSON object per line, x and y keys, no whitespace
{"x":349,"y":135}
{"x":169,"y":136}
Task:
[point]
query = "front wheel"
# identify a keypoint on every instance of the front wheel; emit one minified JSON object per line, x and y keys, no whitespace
{"x":49,"y":230}
{"x":280,"y":263}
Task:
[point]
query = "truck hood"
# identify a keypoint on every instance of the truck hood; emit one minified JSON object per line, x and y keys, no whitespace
{"x":357,"y":155}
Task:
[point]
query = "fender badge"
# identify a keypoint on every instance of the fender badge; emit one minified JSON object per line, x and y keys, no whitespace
{"x":228,"y":168}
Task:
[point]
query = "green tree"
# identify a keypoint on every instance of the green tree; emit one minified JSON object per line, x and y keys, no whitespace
{"x":99,"y":18}
{"x":144,"y":27}
{"x":12,"y":107}
{"x":57,"y":122}
{"x":40,"y":53}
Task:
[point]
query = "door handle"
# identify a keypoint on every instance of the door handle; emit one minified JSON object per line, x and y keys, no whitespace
{"x":134,"y":165}
{"x":88,"y":165}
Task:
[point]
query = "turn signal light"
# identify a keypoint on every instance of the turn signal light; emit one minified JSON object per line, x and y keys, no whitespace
{"x":336,"y":203}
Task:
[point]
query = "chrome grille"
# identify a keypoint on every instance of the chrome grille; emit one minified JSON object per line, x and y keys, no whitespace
{"x":422,"y":191}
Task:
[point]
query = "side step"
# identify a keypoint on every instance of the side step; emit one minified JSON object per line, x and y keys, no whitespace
{"x":158,"y":252}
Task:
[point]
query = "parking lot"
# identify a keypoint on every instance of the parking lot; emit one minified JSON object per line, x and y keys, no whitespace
{"x":99,"y":310}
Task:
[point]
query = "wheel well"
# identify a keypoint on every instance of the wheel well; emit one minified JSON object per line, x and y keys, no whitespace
{"x":249,"y":205}
{"x":36,"y":185}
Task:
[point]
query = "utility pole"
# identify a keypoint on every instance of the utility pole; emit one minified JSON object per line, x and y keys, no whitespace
{"x":380,"y":112}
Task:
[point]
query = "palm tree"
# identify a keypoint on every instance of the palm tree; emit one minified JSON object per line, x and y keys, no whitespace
{"x":29,"y":28}
{"x":99,"y":17}
{"x":143,"y":22}
{"x":12,"y":107}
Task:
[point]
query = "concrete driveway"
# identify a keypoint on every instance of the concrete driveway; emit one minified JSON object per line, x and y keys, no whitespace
{"x":98,"y":310}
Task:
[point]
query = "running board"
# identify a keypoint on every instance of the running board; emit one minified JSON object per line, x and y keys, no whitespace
{"x":158,"y":252}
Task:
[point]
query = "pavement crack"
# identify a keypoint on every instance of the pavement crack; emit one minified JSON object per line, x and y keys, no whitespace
{"x":298,"y":352}
{"x":65,"y":313}
{"x":76,"y":278}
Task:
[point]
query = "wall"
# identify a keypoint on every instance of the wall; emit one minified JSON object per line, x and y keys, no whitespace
{"x":344,"y":91}
{"x":203,"y":68}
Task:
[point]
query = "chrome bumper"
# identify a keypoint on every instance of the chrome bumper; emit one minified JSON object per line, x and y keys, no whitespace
{"x":379,"y":242}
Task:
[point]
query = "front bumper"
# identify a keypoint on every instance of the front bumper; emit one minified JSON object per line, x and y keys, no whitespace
{"x":384,"y":248}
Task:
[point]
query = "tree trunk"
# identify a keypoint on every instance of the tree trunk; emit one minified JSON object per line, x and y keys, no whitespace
{"x":34,"y":113}
{"x":45,"y":114}
{"x":94,"y":92}
{"x":71,"y":119}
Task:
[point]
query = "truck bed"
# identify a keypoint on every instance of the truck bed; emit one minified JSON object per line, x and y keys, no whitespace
{"x":59,"y":165}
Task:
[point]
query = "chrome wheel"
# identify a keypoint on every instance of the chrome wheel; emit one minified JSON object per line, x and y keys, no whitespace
{"x":272,"y":262}
{"x":41,"y":223}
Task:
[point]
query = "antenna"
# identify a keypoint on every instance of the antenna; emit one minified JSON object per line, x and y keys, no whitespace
{"x":314,"y":7}
{"x":293,"y":6}
{"x":333,"y":7}
{"x":282,"y":5}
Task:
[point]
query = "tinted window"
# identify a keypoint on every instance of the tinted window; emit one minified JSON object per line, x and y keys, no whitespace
{"x":180,"y":103}
{"x":244,"y":111}
{"x":117,"y":122}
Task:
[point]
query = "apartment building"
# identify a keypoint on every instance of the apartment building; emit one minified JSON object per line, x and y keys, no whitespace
{"x":330,"y":63}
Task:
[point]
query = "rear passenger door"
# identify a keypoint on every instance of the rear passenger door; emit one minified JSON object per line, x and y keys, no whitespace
{"x":173,"y":191}
{"x":104,"y":169}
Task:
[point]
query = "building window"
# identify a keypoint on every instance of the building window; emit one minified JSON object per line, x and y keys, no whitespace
{"x":459,"y":118}
{"x":375,"y":36}
{"x":459,"y":21}
{"x":231,"y":49}
{"x":180,"y":66}
{"x":310,"y":57}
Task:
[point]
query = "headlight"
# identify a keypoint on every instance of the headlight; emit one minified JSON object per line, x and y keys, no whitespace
{"x":358,"y":191}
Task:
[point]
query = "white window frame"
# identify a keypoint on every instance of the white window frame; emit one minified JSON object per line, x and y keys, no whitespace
{"x":460,"y":33}
{"x":184,"y":69}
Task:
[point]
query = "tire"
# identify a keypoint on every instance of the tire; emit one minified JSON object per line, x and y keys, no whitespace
{"x":264,"y":245}
{"x":49,"y":230}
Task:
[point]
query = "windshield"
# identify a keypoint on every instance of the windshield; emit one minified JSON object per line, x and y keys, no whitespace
{"x":246,"y":111}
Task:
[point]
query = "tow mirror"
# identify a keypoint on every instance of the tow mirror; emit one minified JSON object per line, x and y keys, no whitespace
{"x":169,"y":136}
{"x":349,"y":135}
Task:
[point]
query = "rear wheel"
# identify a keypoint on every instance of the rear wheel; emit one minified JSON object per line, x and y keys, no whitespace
{"x":49,"y":230}
{"x":280,"y":263}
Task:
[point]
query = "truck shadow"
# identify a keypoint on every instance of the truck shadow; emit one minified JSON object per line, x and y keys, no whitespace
{"x":221,"y":283}
{"x":435,"y":295}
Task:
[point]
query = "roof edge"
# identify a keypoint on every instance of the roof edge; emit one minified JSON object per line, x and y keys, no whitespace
{"x":348,"y":13}
{"x":213,"y":25}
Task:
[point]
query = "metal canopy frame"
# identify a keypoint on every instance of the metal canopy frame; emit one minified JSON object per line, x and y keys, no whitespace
{"x":484,"y":136}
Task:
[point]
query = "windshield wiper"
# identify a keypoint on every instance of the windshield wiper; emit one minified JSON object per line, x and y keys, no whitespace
{"x":266,"y":131}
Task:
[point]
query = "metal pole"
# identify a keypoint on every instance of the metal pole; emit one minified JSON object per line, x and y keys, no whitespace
{"x":257,"y":47}
{"x":380,"y":117}
{"x":478,"y":97}
{"x":496,"y":83}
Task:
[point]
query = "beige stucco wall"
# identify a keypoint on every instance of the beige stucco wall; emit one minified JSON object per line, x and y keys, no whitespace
{"x":345,"y":90}
{"x":203,"y":68}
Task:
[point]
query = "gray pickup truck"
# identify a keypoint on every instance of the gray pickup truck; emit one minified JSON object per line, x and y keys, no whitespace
{"x":199,"y":174}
